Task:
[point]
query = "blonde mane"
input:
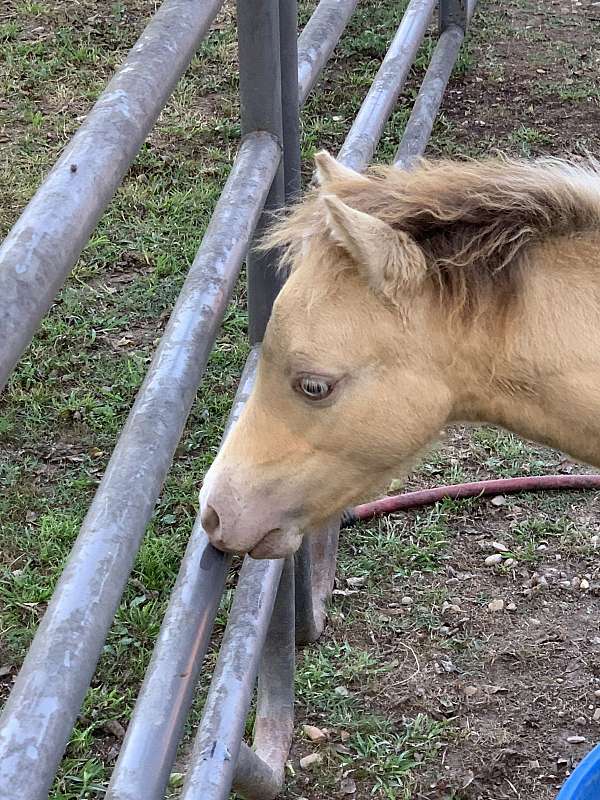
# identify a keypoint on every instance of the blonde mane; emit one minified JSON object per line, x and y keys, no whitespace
{"x":474,"y":220}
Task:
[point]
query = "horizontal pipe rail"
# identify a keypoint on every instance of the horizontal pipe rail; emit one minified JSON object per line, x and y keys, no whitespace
{"x":32,"y":728}
{"x":318,"y":39}
{"x":117,"y":514}
{"x":148,"y":751}
{"x":217,"y":743}
{"x":46,"y":241}
{"x":370,"y":121}
{"x":50,"y":687}
{"x":42,"y":247}
{"x":420,"y":124}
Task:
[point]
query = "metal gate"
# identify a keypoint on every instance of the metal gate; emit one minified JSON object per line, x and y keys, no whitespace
{"x":277,"y":603}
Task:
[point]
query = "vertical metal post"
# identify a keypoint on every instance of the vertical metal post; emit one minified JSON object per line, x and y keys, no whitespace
{"x":454,"y":12}
{"x":290,"y":103}
{"x":260,"y":97}
{"x":315,"y":574}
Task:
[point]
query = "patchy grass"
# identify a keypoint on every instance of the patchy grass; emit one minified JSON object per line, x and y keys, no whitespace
{"x":420,"y":686}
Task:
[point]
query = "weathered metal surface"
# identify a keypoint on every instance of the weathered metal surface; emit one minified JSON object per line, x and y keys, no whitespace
{"x":260,"y":97}
{"x":455,"y":12}
{"x":148,"y":751}
{"x":44,"y":244}
{"x":217,"y":743}
{"x":318,"y":39}
{"x":368,"y":126}
{"x":50,"y":687}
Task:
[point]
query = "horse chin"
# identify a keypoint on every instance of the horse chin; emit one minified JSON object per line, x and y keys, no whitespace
{"x":277,"y":543}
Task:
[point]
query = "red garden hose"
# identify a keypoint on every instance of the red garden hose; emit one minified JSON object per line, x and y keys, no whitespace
{"x":460,"y":491}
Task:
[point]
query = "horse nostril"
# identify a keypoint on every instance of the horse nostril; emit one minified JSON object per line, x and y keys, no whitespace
{"x":210,"y":520}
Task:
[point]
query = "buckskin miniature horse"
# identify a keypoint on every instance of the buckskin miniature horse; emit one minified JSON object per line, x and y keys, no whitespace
{"x":455,"y":292}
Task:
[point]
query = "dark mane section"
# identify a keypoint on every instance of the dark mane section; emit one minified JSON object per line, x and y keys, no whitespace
{"x":473,"y":219}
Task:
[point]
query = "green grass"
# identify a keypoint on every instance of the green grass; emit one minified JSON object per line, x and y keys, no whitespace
{"x":73,"y":388}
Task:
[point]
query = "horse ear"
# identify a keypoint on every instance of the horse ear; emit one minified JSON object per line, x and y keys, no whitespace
{"x":390,"y":260}
{"x":327,"y":169}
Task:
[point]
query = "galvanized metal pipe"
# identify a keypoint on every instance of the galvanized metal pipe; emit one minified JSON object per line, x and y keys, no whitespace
{"x":17,"y":723}
{"x":50,"y":687}
{"x":370,"y":121}
{"x":148,"y":751}
{"x":318,"y":39}
{"x":455,"y":12}
{"x":217,"y":742}
{"x":315,"y":575}
{"x":274,"y":722}
{"x":44,"y":244}
{"x":254,"y":778}
{"x":420,"y":124}
{"x":260,"y":97}
{"x":290,"y":103}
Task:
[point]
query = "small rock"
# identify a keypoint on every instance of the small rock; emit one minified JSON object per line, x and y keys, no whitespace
{"x":342,"y":691}
{"x":510,"y":562}
{"x":114,"y":727}
{"x":576,"y":582}
{"x":496,"y":605}
{"x":471,"y":691}
{"x":501,"y":548}
{"x":596,"y":715}
{"x":498,"y":501}
{"x":492,"y":561}
{"x":597,"y":692}
{"x":357,"y":581}
{"x":407,"y":600}
{"x":314,"y":734}
{"x":344,"y":736}
{"x":541,"y":547}
{"x":581,"y":721}
{"x":311,"y":760}
{"x":576,"y":739}
{"x":448,"y":666}
{"x":348,"y":786}
{"x":584,"y":584}
{"x":511,"y":607}
{"x":451,"y":607}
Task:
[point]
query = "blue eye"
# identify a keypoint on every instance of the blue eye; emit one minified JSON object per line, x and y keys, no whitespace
{"x":314,"y":387}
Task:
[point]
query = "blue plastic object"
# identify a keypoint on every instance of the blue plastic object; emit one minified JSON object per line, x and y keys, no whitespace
{"x":584,"y":782}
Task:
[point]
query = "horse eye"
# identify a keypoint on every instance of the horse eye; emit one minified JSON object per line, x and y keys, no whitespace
{"x":314,"y":388}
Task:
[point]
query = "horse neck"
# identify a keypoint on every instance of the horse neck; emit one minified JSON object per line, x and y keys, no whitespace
{"x":538,"y":374}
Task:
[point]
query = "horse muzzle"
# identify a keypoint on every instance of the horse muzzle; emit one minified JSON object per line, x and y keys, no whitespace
{"x":247,"y":525}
